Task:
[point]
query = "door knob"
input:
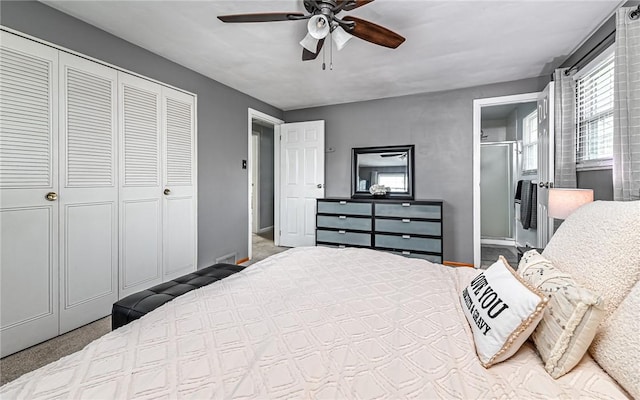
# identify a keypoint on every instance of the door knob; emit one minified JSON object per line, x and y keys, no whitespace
{"x":51,"y":196}
{"x":167,"y":192}
{"x":319,"y":185}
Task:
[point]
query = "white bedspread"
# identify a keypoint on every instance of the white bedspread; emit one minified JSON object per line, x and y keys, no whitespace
{"x":308,"y":323}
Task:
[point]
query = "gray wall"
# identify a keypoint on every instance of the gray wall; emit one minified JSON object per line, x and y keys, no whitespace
{"x":440,"y":126}
{"x":601,"y":181}
{"x":222,"y":120}
{"x":265,"y":175}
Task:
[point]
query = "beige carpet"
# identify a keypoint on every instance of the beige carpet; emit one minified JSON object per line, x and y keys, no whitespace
{"x":15,"y":365}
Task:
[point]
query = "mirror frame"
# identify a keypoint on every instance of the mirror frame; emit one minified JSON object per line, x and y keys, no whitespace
{"x":360,"y":194}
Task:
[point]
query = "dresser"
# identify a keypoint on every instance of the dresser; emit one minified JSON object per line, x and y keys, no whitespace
{"x":412,"y":228}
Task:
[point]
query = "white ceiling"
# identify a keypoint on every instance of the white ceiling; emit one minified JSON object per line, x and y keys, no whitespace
{"x":450,"y":44}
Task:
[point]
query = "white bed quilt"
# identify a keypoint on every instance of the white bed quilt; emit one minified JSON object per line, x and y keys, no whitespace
{"x":308,"y":323}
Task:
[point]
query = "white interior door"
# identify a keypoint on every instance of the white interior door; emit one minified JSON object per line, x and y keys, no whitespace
{"x":179,"y":177}
{"x":140,"y":184}
{"x":545,"y":162}
{"x":301,"y":181}
{"x":28,"y":172}
{"x":88,"y":191}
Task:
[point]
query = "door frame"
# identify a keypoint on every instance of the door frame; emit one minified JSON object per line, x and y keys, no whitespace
{"x":276,"y":122}
{"x":478,"y":104}
{"x":255,"y":187}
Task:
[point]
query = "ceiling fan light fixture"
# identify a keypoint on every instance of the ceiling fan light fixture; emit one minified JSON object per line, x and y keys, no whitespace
{"x":310,"y":43}
{"x":318,"y":26}
{"x":340,"y":37}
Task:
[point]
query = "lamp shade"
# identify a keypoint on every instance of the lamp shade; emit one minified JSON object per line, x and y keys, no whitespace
{"x":318,"y":27}
{"x":562,"y":202}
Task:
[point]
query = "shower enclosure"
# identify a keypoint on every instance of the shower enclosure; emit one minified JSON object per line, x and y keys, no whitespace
{"x":497,"y":189}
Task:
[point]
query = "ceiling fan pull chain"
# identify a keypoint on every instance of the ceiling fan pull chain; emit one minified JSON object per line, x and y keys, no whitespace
{"x":330,"y":52}
{"x":324,"y":66}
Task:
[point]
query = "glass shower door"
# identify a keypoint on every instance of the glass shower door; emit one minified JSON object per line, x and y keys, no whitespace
{"x":497,"y":190}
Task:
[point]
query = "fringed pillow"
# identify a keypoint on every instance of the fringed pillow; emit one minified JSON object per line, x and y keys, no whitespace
{"x":502,"y":310}
{"x":571,"y":318}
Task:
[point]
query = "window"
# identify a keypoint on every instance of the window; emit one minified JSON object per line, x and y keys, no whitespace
{"x":594,"y":114}
{"x":396,"y":181}
{"x":530,"y":142}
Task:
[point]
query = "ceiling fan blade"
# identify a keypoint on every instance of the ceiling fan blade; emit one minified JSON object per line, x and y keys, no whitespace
{"x":261,"y":17}
{"x":355,"y":4}
{"x":374,"y":33}
{"x":308,"y":55}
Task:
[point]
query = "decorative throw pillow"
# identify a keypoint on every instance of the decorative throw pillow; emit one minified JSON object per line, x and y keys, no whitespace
{"x":502,"y":310}
{"x":571,"y":318}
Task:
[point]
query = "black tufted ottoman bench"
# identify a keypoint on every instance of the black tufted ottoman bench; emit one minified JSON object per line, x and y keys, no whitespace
{"x":138,"y":304}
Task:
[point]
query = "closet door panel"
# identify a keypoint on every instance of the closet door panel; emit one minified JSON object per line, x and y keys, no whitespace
{"x":140,"y":184}
{"x":28,"y":172}
{"x":88,"y":192}
{"x":179,"y":177}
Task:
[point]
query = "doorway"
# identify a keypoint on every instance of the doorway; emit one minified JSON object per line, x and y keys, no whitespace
{"x":262,"y":180}
{"x":501,"y":126}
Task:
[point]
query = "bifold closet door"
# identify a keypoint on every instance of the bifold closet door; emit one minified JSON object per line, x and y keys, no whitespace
{"x":140,"y":184}
{"x":179,"y":175}
{"x":88,"y":195}
{"x":28,"y":190}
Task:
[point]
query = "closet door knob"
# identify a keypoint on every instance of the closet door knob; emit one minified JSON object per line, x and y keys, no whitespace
{"x":167,"y":192}
{"x":51,"y":196}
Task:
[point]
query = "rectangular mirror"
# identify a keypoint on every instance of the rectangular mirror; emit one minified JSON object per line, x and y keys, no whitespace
{"x":390,"y":167}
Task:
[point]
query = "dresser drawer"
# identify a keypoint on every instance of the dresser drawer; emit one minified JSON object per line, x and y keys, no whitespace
{"x":344,"y":222}
{"x":407,"y":242}
{"x":429,"y":257}
{"x":344,"y":208}
{"x":407,"y":226}
{"x":408,"y":210}
{"x":343,"y":237}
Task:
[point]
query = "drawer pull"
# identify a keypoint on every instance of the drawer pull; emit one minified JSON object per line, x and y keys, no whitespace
{"x":406,"y":237}
{"x":343,"y":203}
{"x":406,"y":204}
{"x":343,"y":217}
{"x":406,"y":220}
{"x":342,"y":232}
{"x":406,"y":253}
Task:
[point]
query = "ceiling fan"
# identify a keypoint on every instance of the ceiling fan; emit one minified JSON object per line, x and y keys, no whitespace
{"x":324,"y":22}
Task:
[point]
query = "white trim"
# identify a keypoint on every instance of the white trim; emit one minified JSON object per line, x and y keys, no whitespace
{"x":498,"y":242}
{"x":266,"y":229}
{"x":251,"y":115}
{"x":477,"y":113}
{"x":86,"y":57}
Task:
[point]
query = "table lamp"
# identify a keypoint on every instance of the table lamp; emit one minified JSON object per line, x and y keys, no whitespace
{"x":563,"y":202}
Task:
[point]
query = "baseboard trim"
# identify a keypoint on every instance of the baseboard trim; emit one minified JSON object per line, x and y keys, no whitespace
{"x":457,"y":264}
{"x":499,"y":242}
{"x":265,"y":230}
{"x":244,"y":260}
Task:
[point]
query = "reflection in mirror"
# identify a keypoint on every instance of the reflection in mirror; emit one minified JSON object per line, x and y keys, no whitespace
{"x":390,"y":167}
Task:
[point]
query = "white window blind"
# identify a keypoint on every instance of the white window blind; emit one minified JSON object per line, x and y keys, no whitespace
{"x":594,"y":115}
{"x":530,"y":142}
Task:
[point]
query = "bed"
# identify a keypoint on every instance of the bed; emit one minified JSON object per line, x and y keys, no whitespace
{"x":318,"y":323}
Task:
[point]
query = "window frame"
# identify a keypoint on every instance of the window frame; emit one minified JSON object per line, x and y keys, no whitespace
{"x":601,"y":163}
{"x":527,"y":143}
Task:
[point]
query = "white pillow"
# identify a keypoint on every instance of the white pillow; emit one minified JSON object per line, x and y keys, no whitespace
{"x":571,"y":318}
{"x":502,"y":310}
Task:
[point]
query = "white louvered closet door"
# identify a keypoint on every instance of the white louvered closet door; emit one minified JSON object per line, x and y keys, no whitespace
{"x":179,"y":176}
{"x":88,"y":191}
{"x":28,"y":172}
{"x":140,"y":184}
